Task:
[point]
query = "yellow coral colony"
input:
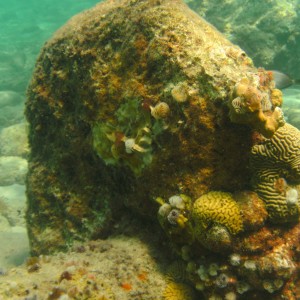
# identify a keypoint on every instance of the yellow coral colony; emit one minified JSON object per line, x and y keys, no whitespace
{"x":217,"y":208}
{"x":178,"y":291}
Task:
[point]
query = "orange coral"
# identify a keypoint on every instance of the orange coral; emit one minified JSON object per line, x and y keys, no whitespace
{"x":250,"y":106}
{"x":276,"y":97}
{"x":143,"y":276}
{"x":265,"y":78}
{"x":250,"y":94}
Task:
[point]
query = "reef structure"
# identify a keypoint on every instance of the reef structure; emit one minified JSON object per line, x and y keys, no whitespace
{"x":229,"y":251}
{"x":135,"y":101}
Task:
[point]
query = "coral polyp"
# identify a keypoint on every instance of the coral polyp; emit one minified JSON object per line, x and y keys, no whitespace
{"x":292,"y":197}
{"x":176,"y":218}
{"x":180,"y":93}
{"x":132,"y":146}
{"x":177,"y":201}
{"x":113,"y":146}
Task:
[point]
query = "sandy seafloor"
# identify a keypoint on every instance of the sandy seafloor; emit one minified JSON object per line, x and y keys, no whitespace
{"x":124,"y":266}
{"x":127,"y":265}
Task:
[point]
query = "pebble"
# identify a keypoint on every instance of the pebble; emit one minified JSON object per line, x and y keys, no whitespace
{"x":13,"y":141}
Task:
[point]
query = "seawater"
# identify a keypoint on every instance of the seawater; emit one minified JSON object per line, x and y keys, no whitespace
{"x":25,"y":26}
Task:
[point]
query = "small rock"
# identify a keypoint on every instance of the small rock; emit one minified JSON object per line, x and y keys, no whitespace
{"x":13,"y":169}
{"x":13,"y":141}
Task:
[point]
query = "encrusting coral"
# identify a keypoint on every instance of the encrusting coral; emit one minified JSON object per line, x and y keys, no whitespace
{"x":213,"y":219}
{"x":114,"y":112}
{"x":250,"y":102}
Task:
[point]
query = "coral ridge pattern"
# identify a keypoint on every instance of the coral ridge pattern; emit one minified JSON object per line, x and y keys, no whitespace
{"x":276,"y":167}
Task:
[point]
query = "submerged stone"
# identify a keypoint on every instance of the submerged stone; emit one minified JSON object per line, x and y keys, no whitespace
{"x":108,"y":124}
{"x":136,"y":101}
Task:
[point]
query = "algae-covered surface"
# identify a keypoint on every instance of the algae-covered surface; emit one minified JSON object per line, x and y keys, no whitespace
{"x":131,"y":101}
{"x":144,"y":106}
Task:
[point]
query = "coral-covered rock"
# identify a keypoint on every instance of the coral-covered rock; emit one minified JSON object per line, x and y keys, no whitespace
{"x":252,"y":209}
{"x":259,"y":264}
{"x":254,"y":259}
{"x":129,"y":101}
{"x":249,"y":104}
{"x":135,"y":101}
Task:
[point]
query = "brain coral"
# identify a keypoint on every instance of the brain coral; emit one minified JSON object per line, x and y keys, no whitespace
{"x":276,"y":165}
{"x":178,"y":291}
{"x":177,"y":271}
{"x":217,"y":208}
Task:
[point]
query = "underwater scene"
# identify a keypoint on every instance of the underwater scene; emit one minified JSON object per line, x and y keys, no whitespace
{"x":150,"y":150}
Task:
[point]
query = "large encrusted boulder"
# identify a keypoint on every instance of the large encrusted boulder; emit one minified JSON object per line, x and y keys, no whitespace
{"x":131,"y":100}
{"x":138,"y":103}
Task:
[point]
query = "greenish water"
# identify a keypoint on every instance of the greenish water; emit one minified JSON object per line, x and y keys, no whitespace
{"x":25,"y":26}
